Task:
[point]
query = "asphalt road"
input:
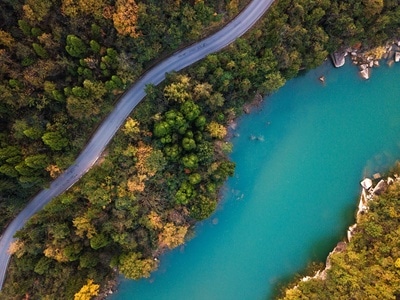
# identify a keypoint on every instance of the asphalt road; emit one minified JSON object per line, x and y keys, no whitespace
{"x":181,"y":59}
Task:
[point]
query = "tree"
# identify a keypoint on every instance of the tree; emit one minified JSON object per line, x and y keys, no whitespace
{"x":190,"y":161}
{"x":38,"y":161}
{"x":6,"y":39}
{"x":172,"y":235}
{"x":99,"y":241}
{"x":84,"y":226}
{"x":202,"y":207}
{"x":190,"y":110}
{"x":132,"y":266}
{"x":55,"y":140}
{"x":125,"y":17}
{"x":36,"y":10}
{"x":161,"y":129}
{"x":75,"y":46}
{"x":188,"y":143}
{"x":216,"y":130}
{"x":178,"y":91}
{"x":87,"y":291}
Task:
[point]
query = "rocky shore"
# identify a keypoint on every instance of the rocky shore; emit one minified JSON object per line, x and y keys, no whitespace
{"x":366,"y":60}
{"x":368,"y":193}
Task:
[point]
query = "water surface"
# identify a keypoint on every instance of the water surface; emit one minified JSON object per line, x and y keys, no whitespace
{"x":299,"y":162}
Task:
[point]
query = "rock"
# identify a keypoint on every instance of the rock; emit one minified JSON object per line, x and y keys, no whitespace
{"x":397,"y":56}
{"x":380,"y":187}
{"x":365,"y":73}
{"x":350,"y":231}
{"x":338,"y":58}
{"x":366,"y":183}
{"x":363,"y":67}
{"x":390,"y":180}
{"x":376,"y":63}
{"x":377,"y":176}
{"x":371,"y":64}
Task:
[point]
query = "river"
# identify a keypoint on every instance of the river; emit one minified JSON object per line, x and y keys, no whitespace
{"x":299,"y":159}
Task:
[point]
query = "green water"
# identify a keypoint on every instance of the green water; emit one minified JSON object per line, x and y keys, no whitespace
{"x":295,"y":188}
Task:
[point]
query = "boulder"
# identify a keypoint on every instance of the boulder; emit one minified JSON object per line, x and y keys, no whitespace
{"x":397,"y":56}
{"x":366,"y":183}
{"x":338,"y":58}
{"x":365,"y":73}
{"x":380,"y":187}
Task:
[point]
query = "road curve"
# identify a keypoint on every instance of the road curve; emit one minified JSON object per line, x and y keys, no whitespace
{"x":179,"y":60}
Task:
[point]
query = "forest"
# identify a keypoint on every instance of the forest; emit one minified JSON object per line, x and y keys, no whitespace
{"x":64,"y":64}
{"x":368,"y":267}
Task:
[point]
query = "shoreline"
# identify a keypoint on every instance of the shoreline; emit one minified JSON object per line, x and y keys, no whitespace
{"x":368,"y":59}
{"x":249,"y":107}
{"x":369,"y":193}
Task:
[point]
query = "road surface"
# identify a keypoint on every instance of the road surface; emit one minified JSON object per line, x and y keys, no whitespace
{"x":179,"y":60}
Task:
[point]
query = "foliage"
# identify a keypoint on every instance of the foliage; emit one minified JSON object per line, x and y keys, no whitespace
{"x":63,"y":65}
{"x":369,"y":266}
{"x":125,"y":17}
{"x":87,"y":291}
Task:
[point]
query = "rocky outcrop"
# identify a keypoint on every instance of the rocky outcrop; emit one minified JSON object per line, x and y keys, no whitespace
{"x":380,"y":188}
{"x":339,"y":58}
{"x":368,"y":193}
{"x":368,"y":59}
{"x":365,"y":72}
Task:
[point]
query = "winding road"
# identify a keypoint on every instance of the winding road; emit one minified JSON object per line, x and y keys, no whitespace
{"x":179,"y":60}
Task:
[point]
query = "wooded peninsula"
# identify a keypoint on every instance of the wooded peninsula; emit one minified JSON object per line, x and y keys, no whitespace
{"x":63,"y":65}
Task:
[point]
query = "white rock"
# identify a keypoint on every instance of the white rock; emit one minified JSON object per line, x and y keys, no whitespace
{"x":365,"y":73}
{"x":397,"y":56}
{"x":366,"y":183}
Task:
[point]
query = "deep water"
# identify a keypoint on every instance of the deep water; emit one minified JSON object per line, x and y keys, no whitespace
{"x":299,"y":159}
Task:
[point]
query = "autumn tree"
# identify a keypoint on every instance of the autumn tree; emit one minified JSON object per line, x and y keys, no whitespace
{"x":172,"y":235}
{"x":125,"y":17}
{"x":133,"y":266}
{"x":87,"y":291}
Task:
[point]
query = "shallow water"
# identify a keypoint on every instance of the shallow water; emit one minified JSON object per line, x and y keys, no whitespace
{"x":299,"y":162}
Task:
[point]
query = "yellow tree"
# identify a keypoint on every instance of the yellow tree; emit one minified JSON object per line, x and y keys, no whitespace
{"x":172,"y":235}
{"x":83,"y":226}
{"x":216,"y":130}
{"x":6,"y":39}
{"x":72,"y":8}
{"x":125,"y":17}
{"x":17,"y":248}
{"x":88,"y":291}
{"x":134,"y":267}
{"x":36,"y":10}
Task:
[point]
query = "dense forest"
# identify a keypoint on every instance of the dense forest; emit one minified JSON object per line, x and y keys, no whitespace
{"x":368,"y":266}
{"x":63,"y":65}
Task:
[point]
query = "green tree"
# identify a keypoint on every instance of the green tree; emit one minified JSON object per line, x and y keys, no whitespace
{"x":75,"y":46}
{"x":55,"y":140}
{"x":190,"y":161}
{"x":132,"y":266}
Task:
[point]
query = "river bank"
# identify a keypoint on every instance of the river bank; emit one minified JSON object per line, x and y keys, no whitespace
{"x":366,"y":241}
{"x":368,"y":59}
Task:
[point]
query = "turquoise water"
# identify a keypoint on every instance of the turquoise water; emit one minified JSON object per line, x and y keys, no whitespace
{"x":295,"y":188}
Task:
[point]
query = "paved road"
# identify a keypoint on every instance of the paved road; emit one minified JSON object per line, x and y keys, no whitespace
{"x":181,"y":59}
